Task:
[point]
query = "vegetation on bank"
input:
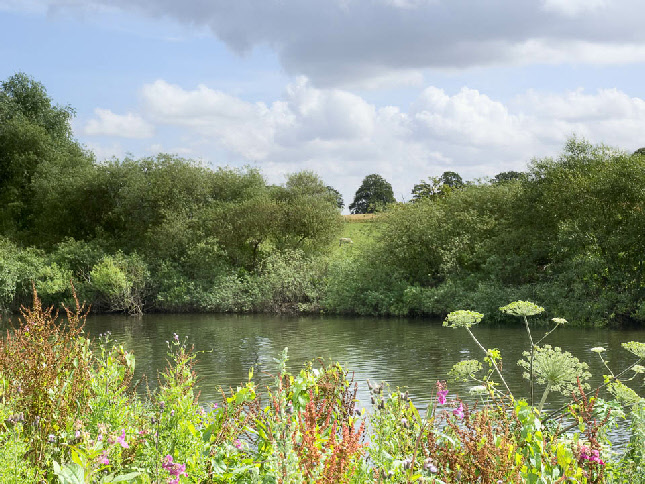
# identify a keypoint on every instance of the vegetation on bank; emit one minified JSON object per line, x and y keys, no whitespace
{"x":70,"y":413}
{"x":169,"y":234}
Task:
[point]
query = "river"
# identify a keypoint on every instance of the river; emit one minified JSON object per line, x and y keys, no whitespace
{"x":408,"y":353}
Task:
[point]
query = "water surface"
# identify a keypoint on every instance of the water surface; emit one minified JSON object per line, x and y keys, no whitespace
{"x":407,"y":353}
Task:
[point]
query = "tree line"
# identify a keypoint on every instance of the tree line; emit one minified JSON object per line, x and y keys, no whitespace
{"x":165,"y":233}
{"x":567,"y":233}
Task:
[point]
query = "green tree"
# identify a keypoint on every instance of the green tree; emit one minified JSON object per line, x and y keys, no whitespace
{"x":451,"y":179}
{"x":437,"y":186}
{"x":507,"y":176}
{"x":41,"y":165}
{"x":374,"y":194}
{"x":340,"y":203}
{"x":309,"y":213}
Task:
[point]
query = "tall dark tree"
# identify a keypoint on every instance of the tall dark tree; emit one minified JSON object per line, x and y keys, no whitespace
{"x":340,"y":203}
{"x":437,"y":186}
{"x":39,"y":160}
{"x":507,"y":176}
{"x":374,"y":194}
{"x":451,"y":179}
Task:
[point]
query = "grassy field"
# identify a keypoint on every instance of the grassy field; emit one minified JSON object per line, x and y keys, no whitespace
{"x":360,"y":228}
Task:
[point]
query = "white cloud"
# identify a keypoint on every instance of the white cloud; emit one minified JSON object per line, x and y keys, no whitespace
{"x":240,"y":126}
{"x":577,"y":52}
{"x":127,"y":125}
{"x":343,"y":137}
{"x":104,"y":152}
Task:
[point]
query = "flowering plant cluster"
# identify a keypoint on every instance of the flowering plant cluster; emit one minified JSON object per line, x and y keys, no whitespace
{"x":306,"y":427}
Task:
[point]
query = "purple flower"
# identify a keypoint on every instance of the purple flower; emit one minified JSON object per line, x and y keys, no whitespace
{"x":238,"y":444}
{"x":175,"y":336}
{"x":121,"y":440}
{"x":591,"y":455}
{"x":103,"y":459}
{"x":459,"y":411}
{"x":441,"y":396}
{"x":173,"y":468}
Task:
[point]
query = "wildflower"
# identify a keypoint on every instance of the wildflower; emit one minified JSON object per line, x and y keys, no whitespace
{"x":478,"y":390}
{"x":175,"y":336}
{"x":459,"y":411}
{"x":77,"y":435}
{"x":638,"y":369}
{"x":121,"y":440}
{"x":174,"y":469}
{"x":635,"y":347}
{"x":441,"y":396}
{"x":557,"y":369}
{"x":598,"y":349}
{"x":590,"y":455}
{"x":51,"y":438}
{"x":559,"y":321}
{"x":238,"y":444}
{"x":462,"y":319}
{"x":103,"y":459}
{"x":429,"y":466}
{"x":522,"y":308}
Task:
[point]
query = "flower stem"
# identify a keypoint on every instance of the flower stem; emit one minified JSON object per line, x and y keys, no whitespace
{"x":528,"y":330}
{"x":491,"y":359}
{"x":543,"y":399}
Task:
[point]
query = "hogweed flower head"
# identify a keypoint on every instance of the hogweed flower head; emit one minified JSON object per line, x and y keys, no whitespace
{"x":598,"y":349}
{"x":556,"y":368}
{"x":638,"y":369}
{"x":462,"y":319}
{"x":464,"y":370}
{"x":559,"y":321}
{"x":522,"y":308}
{"x":635,"y":347}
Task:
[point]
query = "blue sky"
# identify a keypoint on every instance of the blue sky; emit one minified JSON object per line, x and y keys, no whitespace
{"x":404,"y":88}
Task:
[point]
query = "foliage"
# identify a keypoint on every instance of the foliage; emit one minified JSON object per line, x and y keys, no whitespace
{"x":374,"y":194}
{"x":437,"y":186}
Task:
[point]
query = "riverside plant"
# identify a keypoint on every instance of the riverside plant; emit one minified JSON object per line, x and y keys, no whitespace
{"x":304,"y":427}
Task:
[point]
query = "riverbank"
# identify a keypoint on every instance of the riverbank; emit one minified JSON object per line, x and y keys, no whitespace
{"x":81,"y":414}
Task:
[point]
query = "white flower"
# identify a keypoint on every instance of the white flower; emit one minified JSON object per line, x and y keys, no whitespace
{"x":638,"y":369}
{"x":598,"y":349}
{"x":478,"y":390}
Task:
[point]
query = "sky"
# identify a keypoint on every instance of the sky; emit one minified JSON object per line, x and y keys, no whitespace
{"x":407,"y":89}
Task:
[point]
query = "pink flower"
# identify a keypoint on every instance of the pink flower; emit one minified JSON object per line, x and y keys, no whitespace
{"x":441,"y":396}
{"x":103,"y":459}
{"x":121,"y":440}
{"x":173,"y":468}
{"x":459,"y":411}
{"x":238,"y":444}
{"x":591,"y":455}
